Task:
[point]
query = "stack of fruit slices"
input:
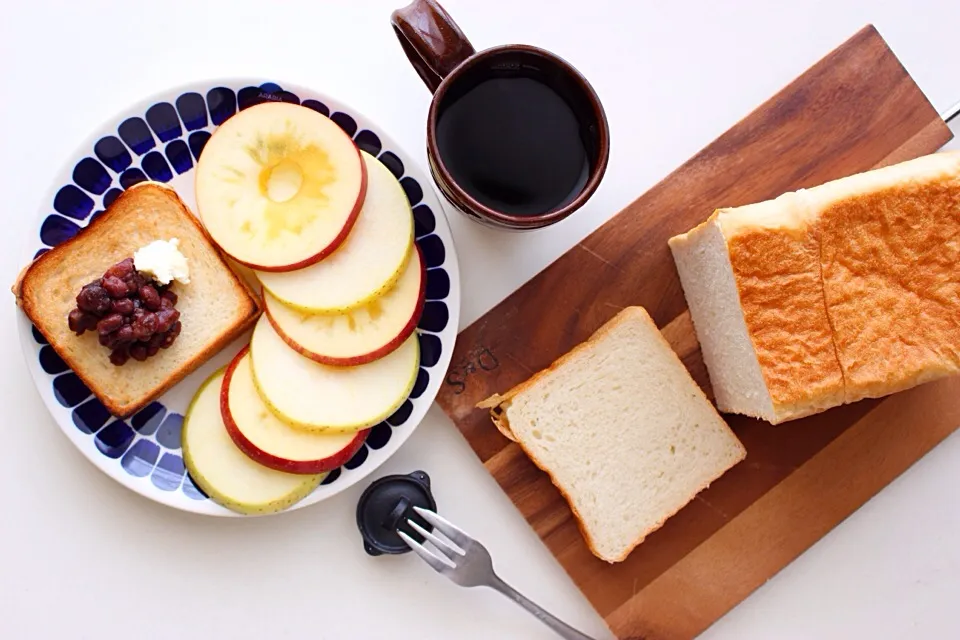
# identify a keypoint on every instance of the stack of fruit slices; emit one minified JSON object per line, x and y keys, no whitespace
{"x":327,"y":231}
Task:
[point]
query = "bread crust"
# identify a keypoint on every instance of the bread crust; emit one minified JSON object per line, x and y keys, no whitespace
{"x":31,"y":284}
{"x":782,"y":304}
{"x":892,"y":285}
{"x":851,"y":289}
{"x":499,"y":403}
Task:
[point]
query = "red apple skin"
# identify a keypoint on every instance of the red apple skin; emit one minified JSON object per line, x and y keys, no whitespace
{"x":377,"y":353}
{"x":306,"y":467}
{"x":330,"y":248}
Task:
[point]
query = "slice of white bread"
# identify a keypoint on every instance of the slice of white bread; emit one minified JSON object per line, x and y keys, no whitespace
{"x":215,"y":307}
{"x":622,"y":429}
{"x":831,"y":294}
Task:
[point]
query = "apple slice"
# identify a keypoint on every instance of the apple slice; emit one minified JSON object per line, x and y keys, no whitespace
{"x":369,"y":261}
{"x":224,"y":473}
{"x":319,"y":397}
{"x":270,"y":441}
{"x":360,"y":336}
{"x":279,"y":186}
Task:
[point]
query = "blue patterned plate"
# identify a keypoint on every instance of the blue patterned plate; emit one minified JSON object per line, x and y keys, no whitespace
{"x":161,"y":139}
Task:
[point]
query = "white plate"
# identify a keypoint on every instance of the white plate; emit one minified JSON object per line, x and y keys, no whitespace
{"x":161,"y":138}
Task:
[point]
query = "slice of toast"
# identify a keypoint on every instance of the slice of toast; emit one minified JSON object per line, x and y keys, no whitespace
{"x":622,"y":430}
{"x":215,"y":307}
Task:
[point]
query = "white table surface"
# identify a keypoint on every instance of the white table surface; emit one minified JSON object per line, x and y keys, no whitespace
{"x":82,"y":557}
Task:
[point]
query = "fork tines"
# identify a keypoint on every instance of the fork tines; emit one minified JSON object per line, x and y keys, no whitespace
{"x":448,"y":550}
{"x":456,"y":536}
{"x":442,"y":565}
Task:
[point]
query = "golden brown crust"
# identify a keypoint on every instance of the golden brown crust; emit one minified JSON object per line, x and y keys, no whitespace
{"x":891,"y":269}
{"x":781,"y":295}
{"x":46,"y":287}
{"x":881,"y":251}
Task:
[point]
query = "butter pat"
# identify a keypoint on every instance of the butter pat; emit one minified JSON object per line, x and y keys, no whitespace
{"x":162,"y":260}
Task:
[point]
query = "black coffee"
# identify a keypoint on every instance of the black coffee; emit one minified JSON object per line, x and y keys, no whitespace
{"x":514,"y":144}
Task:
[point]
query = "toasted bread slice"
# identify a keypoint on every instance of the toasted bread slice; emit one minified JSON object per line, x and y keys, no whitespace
{"x":215,"y":307}
{"x":622,"y":430}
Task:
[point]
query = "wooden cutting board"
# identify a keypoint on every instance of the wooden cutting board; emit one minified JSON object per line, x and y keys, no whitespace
{"x":854,"y":110}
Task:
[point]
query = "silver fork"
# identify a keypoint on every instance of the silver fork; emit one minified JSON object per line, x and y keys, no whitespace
{"x":468,"y":564}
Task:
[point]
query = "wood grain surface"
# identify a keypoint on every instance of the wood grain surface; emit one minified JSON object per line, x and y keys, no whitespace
{"x":854,"y":110}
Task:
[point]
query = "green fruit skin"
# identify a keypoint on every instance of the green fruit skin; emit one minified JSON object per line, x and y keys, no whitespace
{"x":247,"y":509}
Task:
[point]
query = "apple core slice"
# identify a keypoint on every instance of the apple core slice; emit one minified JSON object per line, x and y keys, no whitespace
{"x":223,"y":472}
{"x":279,"y":186}
{"x":319,"y":397}
{"x":359,"y":336}
{"x":270,"y":441}
{"x":368,"y":262}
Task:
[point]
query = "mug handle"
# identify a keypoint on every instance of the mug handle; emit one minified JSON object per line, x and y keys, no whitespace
{"x":433,"y":42}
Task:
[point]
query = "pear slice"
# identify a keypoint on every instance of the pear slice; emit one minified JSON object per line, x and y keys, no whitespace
{"x":223,"y":472}
{"x":368,"y":262}
{"x":319,"y":397}
{"x":270,"y":441}
{"x":359,"y":336}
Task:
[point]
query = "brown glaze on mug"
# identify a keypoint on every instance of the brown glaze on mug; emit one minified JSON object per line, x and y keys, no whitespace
{"x":443,"y":56}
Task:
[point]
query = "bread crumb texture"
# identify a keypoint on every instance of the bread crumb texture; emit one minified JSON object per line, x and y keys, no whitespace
{"x":624,"y":432}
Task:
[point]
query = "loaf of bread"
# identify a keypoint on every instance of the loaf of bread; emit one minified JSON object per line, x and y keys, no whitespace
{"x":832,"y":294}
{"x":215,"y":307}
{"x":622,"y":430}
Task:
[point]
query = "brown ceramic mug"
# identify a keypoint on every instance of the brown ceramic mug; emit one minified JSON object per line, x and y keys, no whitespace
{"x":516,"y":136}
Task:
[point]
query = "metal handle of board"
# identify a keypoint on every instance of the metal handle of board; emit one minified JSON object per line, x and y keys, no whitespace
{"x":952,"y":114}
